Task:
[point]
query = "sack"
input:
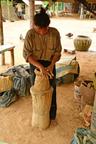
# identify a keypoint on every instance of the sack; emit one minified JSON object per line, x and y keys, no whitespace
{"x":81,"y":136}
{"x":21,"y":79}
{"x":87,"y":93}
{"x":22,"y":84}
{"x":7,"y":98}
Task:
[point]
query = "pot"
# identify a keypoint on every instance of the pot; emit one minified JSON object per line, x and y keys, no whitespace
{"x":82,"y":43}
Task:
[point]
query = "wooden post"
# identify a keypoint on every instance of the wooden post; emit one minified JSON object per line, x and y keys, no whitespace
{"x":1,"y":26}
{"x":32,"y":9}
{"x":82,"y":12}
{"x":1,"y":34}
{"x":12,"y":56}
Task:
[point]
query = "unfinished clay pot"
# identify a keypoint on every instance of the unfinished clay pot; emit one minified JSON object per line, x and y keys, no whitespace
{"x":41,"y":101}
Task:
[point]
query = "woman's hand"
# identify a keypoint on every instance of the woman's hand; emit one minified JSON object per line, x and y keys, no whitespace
{"x":43,"y":70}
{"x":47,"y":71}
{"x":50,"y":70}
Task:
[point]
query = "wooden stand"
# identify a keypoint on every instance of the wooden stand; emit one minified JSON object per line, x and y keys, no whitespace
{"x":3,"y":49}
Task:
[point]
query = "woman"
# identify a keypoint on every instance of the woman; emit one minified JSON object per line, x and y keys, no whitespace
{"x":42,"y":49}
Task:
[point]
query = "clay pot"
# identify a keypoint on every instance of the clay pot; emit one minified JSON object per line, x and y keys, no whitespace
{"x":82,"y":43}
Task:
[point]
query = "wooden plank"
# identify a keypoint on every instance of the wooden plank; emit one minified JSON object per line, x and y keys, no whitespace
{"x":7,"y":47}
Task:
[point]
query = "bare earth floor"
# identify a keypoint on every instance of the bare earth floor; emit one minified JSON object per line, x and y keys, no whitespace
{"x":15,"y":120}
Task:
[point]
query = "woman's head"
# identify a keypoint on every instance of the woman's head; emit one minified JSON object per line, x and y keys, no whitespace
{"x":41,"y":19}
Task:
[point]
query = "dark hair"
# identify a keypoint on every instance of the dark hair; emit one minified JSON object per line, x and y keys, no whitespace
{"x":42,"y":19}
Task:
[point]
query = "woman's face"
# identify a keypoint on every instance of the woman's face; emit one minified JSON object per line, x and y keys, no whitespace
{"x":41,"y":31}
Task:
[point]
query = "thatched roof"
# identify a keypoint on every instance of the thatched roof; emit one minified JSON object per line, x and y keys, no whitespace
{"x":72,"y":1}
{"x":65,"y":1}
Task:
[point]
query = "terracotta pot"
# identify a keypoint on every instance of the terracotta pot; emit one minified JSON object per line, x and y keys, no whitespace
{"x":82,"y":43}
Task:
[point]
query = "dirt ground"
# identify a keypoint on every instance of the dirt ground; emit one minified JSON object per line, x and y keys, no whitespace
{"x":15,"y":120}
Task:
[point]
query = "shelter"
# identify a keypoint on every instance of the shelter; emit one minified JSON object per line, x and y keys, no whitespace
{"x":37,"y":4}
{"x":32,"y":9}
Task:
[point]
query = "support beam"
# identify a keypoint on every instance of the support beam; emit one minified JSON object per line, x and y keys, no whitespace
{"x":32,"y":10}
{"x":1,"y":26}
{"x":1,"y":34}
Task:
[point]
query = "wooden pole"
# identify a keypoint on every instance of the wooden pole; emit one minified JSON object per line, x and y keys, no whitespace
{"x":82,"y":12}
{"x":1,"y":26}
{"x":32,"y":9}
{"x":1,"y":34}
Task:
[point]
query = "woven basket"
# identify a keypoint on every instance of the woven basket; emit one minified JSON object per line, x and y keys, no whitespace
{"x":82,"y":43}
{"x":6,"y":83}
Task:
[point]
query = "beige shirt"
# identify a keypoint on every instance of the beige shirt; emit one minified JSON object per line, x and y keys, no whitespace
{"x":42,"y":47}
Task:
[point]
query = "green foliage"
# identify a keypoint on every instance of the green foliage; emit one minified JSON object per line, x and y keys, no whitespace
{"x":8,"y":2}
{"x":3,"y":1}
{"x":45,"y":3}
